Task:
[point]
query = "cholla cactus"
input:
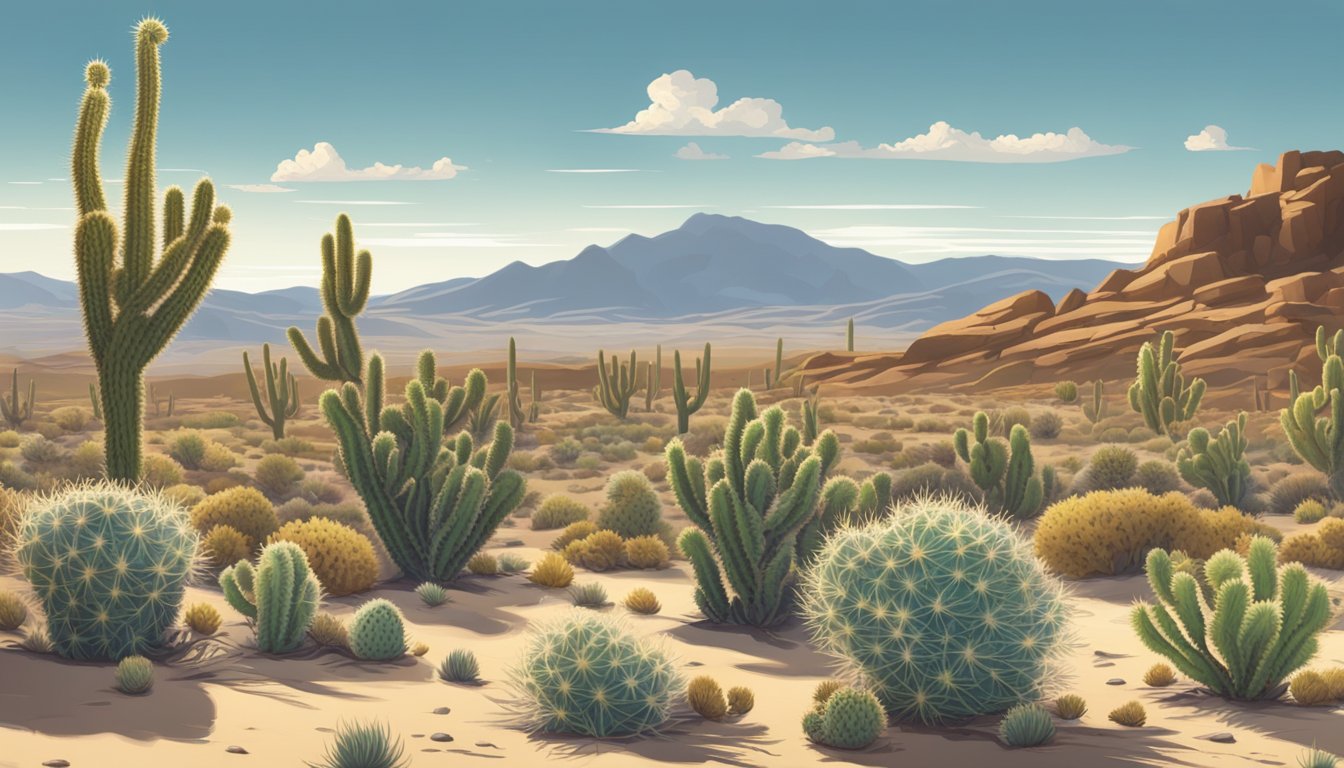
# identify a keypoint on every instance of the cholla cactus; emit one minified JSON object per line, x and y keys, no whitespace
{"x":1005,"y":472}
{"x":345,"y":292}
{"x":1218,"y":464}
{"x":280,"y":595}
{"x":14,"y":409}
{"x":1260,"y":627}
{"x":133,"y":305}
{"x":1319,"y":439}
{"x":1159,"y":392}
{"x":941,"y":609}
{"x":282,"y":391}
{"x":586,"y":674}
{"x":616,"y":385}
{"x":109,"y":565}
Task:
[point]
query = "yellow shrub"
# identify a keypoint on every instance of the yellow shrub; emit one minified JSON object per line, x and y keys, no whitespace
{"x":224,"y":545}
{"x":1323,"y":547}
{"x":552,"y":571}
{"x":1310,"y":689}
{"x":581,"y":529}
{"x":641,"y":600}
{"x":601,"y":551}
{"x":341,"y":557}
{"x":740,"y":700}
{"x":706,"y":698}
{"x":1130,"y":715}
{"x":646,"y":552}
{"x":246,"y":510}
{"x":1110,"y":532}
{"x":203,"y":618}
{"x":483,"y":564}
{"x":327,"y":630}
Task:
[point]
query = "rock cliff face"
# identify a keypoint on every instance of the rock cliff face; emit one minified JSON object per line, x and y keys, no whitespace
{"x":1243,"y":281}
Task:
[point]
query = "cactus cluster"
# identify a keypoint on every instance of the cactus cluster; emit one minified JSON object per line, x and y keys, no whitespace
{"x":433,"y":506}
{"x":14,"y":408}
{"x":1218,"y":464}
{"x":846,"y":718}
{"x":282,"y":392}
{"x":687,"y":404}
{"x":757,"y":507}
{"x":940,"y":608}
{"x":1260,"y":627}
{"x":1159,"y":392}
{"x":110,"y":566}
{"x":1005,"y":473}
{"x":132,"y":303}
{"x":586,"y":674}
{"x":280,"y":595}
{"x":1314,"y":421}
{"x":378,"y":631}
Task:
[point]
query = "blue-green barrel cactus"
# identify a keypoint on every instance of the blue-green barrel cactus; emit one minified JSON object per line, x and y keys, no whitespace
{"x":940,"y":608}
{"x":586,"y":674}
{"x":378,"y":632}
{"x":280,"y":595}
{"x":110,"y":565}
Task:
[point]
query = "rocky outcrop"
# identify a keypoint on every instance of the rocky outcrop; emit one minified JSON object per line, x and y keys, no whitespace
{"x":1243,"y":281}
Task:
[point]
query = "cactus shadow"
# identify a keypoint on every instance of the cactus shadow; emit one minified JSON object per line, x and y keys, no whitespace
{"x":783,"y":650}
{"x":1276,"y":719}
{"x":476,"y":605}
{"x":685,"y":741}
{"x":1116,"y":590}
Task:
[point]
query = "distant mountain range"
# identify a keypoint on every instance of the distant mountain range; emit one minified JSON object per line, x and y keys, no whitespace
{"x":716,"y":268}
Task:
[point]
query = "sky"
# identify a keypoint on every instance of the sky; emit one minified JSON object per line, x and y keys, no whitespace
{"x":464,"y":136}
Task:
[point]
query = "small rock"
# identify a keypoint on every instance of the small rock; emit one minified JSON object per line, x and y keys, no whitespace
{"x":1104,"y":664}
{"x":440,"y":736}
{"x":513,"y":543}
{"x":1116,"y":681}
{"x":442,"y":710}
{"x":234,"y":749}
{"x":1109,"y":655}
{"x":1222,"y":737}
{"x":57,"y":763}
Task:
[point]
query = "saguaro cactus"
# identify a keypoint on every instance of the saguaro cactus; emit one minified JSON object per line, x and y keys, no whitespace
{"x":14,"y":408}
{"x":132,"y":304}
{"x":1006,"y":473}
{"x":1159,"y":392}
{"x":653,"y":379}
{"x":849,"y":335}
{"x":1218,"y":464}
{"x":282,"y":391}
{"x":534,"y":408}
{"x":616,"y":385}
{"x":686,"y":404}
{"x":345,"y":292}
{"x":517,"y":415}
{"x":1095,"y":407}
{"x":1319,"y":437}
{"x":779,"y":362}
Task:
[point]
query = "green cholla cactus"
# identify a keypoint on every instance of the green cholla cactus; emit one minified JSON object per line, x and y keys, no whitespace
{"x":109,"y":565}
{"x":345,"y":292}
{"x":133,"y":305}
{"x":586,"y":674}
{"x":907,"y":602}
{"x":1026,"y":725}
{"x":433,"y":506}
{"x":849,"y":718}
{"x":686,"y":404}
{"x":616,"y":385}
{"x":14,"y":409}
{"x":653,"y":379}
{"x":280,"y":595}
{"x":1218,"y":464}
{"x":1261,"y":626}
{"x":874,"y":497}
{"x":378,"y":632}
{"x":282,"y":392}
{"x":1319,"y":439}
{"x":1095,"y":407}
{"x":758,"y":509}
{"x":633,"y":507}
{"x":1005,"y":472}
{"x":134,"y":675}
{"x":1159,"y":392}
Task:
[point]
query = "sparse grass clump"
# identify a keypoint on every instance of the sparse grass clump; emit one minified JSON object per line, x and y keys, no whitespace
{"x":558,"y":511}
{"x":278,"y":475}
{"x":364,"y":745}
{"x":706,"y":698}
{"x":1026,"y":725}
{"x":1310,"y":689}
{"x":552,"y":571}
{"x":1288,"y":493}
{"x":432,"y":594}
{"x":510,"y":563}
{"x":329,"y":631}
{"x":1070,"y":706}
{"x":641,"y":600}
{"x":1131,"y":715}
{"x":460,"y":666}
{"x":13,"y":611}
{"x":1317,"y":758}
{"x":588,"y":595}
{"x":740,"y":700}
{"x":1309,"y":511}
{"x":1159,"y":675}
{"x":483,"y":564}
{"x":1046,"y":426}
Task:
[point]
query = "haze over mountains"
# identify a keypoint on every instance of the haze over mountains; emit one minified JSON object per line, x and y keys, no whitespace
{"x":725,"y":270}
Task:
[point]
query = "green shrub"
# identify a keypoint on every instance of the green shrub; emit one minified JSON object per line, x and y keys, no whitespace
{"x":39,"y":450}
{"x":160,"y":471}
{"x":1046,"y":426}
{"x":87,"y":461}
{"x":188,"y":449}
{"x":432,"y":594}
{"x":1309,"y":511}
{"x":566,"y":452}
{"x":460,"y":666}
{"x":1026,"y":725}
{"x":1067,"y":391}
{"x":278,"y":475}
{"x":1157,"y":477}
{"x":71,"y":418}
{"x":215,"y":420}
{"x":1111,"y":467}
{"x":15,"y":478}
{"x":134,"y":675}
{"x":558,"y":511}
{"x":632,"y":507}
{"x":1004,"y":421}
{"x":364,"y":745}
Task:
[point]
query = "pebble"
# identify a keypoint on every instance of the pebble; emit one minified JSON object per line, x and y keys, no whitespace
{"x":1116,"y":681}
{"x":234,"y":749}
{"x":1222,"y":737}
{"x":442,"y":710}
{"x":57,"y":763}
{"x":513,"y":543}
{"x":440,"y":736}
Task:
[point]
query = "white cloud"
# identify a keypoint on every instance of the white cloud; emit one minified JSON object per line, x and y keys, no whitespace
{"x":871,"y":207}
{"x":692,"y":151}
{"x":324,"y":163}
{"x":1211,"y":139}
{"x":15,"y":227}
{"x":943,"y":142}
{"x":25,"y":183}
{"x":925,"y":243}
{"x":354,"y":202}
{"x":646,"y":207}
{"x":454,"y":240}
{"x":684,"y":105}
{"x":259,"y":188}
{"x":592,"y":170}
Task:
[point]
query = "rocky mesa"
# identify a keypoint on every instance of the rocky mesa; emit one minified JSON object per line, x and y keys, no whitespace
{"x":1243,"y":281}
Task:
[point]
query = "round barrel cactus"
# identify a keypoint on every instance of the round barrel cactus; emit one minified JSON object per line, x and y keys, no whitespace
{"x":941,"y":609}
{"x":378,"y":632}
{"x":110,"y":566}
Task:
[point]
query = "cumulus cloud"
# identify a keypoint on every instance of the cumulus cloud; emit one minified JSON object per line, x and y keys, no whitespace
{"x":259,"y":188}
{"x":324,"y":163}
{"x":692,"y":151}
{"x":1211,"y":139}
{"x":943,"y":142}
{"x":683,"y":105}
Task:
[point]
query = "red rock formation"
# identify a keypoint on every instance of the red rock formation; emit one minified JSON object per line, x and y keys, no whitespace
{"x":1242,"y":281}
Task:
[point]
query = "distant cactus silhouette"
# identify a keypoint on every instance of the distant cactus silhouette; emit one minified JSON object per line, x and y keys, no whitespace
{"x":687,"y":404}
{"x":282,"y":391}
{"x":14,"y":408}
{"x":617,"y":384}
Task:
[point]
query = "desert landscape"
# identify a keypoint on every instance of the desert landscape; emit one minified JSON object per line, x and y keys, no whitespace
{"x":729,"y":494}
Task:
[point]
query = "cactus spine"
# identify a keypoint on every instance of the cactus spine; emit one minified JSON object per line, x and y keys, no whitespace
{"x":1218,"y":464}
{"x":1159,"y":392}
{"x":1006,"y":473}
{"x":133,"y":305}
{"x":849,"y":336}
{"x":517,"y":416}
{"x":15,"y":409}
{"x":686,"y":404}
{"x":1095,"y":408}
{"x":750,"y":508}
{"x":653,"y":379}
{"x":282,"y":391}
{"x":1262,"y":621}
{"x":1319,"y":439}
{"x":280,"y":595}
{"x":615,"y":386}
{"x":345,"y":292}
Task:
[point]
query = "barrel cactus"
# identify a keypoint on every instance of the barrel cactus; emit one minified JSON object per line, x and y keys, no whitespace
{"x":941,"y":609}
{"x":280,"y":595}
{"x":110,"y":565}
{"x":586,"y":674}
{"x":849,"y":718}
{"x":378,"y":632}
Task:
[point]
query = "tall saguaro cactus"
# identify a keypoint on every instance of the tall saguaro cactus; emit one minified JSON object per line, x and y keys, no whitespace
{"x":14,"y":408}
{"x":345,"y":292}
{"x":133,"y":304}
{"x":653,"y":379}
{"x":1159,"y":392}
{"x":517,"y":415}
{"x":617,"y":384}
{"x":282,"y":391}
{"x":687,"y":404}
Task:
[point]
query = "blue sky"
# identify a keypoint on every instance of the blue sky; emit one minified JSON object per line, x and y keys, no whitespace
{"x":513,"y":91}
